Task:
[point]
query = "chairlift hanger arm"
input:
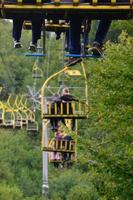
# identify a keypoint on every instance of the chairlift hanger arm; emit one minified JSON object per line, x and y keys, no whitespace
{"x":115,"y":9}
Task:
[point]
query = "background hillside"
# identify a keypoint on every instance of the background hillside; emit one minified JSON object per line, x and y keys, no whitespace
{"x":105,"y":155}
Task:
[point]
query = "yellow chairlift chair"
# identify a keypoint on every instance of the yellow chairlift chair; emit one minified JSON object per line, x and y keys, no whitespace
{"x":61,"y":151}
{"x":21,"y":106}
{"x":95,"y":9}
{"x":32,"y":126}
{"x":8,"y":118}
{"x":79,"y":87}
{"x":37,"y":71}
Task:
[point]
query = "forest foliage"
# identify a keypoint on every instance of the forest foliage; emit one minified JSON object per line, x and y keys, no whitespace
{"x":104,"y":169}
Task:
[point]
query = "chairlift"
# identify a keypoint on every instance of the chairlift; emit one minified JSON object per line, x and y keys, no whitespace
{"x":18,"y":120}
{"x":32,"y":126}
{"x":61,"y":151}
{"x":50,"y":25}
{"x":9,"y":119}
{"x":27,"y":25}
{"x":54,"y":26}
{"x":60,"y":146}
{"x":20,"y":105}
{"x":95,"y":9}
{"x":37,"y":73}
{"x":79,"y":107}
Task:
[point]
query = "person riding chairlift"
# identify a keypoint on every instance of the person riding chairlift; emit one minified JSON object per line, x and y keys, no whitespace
{"x":66,"y":100}
{"x":18,"y":24}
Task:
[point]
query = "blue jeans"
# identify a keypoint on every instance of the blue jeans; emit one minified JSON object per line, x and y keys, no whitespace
{"x":75,"y":31}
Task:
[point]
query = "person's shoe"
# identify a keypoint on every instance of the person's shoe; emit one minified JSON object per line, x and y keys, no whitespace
{"x":73,"y":61}
{"x":96,"y":49}
{"x":17,"y":44}
{"x":57,"y":36}
{"x":32,"y":47}
{"x":86,"y":50}
{"x":66,"y":49}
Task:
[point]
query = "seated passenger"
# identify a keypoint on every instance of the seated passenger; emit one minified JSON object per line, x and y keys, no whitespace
{"x":57,"y":155}
{"x":36,"y":33}
{"x":54,"y":109}
{"x":75,"y":44}
{"x":66,"y":100}
{"x":18,"y":23}
{"x":100,"y":36}
{"x":66,"y":139}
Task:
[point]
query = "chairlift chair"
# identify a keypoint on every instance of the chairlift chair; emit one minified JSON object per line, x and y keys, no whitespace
{"x":58,"y":25}
{"x":61,"y":151}
{"x":37,"y":73}
{"x":18,"y":120}
{"x":9,"y":119}
{"x":49,"y":26}
{"x":32,"y":126}
{"x":79,"y":107}
{"x":27,"y":25}
{"x":95,"y":9}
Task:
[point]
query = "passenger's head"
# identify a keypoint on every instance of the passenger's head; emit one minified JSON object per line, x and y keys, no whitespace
{"x":56,"y":95}
{"x":65,"y":91}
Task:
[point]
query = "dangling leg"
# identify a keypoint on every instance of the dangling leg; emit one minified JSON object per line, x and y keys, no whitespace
{"x":36,"y":33}
{"x":74,"y":37}
{"x":87,"y":27}
{"x":73,"y":124}
{"x":67,"y":45}
{"x":16,"y":32}
{"x":101,"y":33}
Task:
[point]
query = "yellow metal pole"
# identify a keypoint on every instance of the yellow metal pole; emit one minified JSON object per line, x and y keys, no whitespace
{"x":43,"y":141}
{"x":86,"y":86}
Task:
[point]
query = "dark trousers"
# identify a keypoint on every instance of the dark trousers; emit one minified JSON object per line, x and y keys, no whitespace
{"x":74,"y":34}
{"x":36,"y":29}
{"x":102,"y":31}
{"x":17,"y":29}
{"x":75,"y":30}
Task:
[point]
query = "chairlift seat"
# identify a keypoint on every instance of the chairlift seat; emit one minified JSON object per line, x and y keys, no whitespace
{"x":8,"y":124}
{"x":24,"y":122}
{"x":56,"y":27}
{"x":18,"y":124}
{"x":62,"y":161}
{"x":48,"y":149}
{"x":55,"y":145}
{"x":52,"y":27}
{"x":37,"y":73}
{"x":68,"y":110}
{"x":36,"y":76}
{"x":32,"y":126}
{"x":95,"y":9}
{"x":73,"y":116}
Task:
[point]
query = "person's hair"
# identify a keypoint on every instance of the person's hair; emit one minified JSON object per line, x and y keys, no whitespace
{"x":65,"y":90}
